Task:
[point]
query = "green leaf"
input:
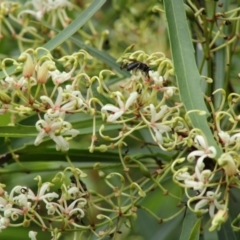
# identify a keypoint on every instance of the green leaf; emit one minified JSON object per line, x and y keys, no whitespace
{"x":226,"y":232}
{"x":102,"y":56}
{"x":187,"y":74}
{"x":75,"y":25}
{"x":191,"y":227}
{"x":18,"y":131}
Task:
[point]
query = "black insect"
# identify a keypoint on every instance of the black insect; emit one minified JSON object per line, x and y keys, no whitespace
{"x":74,"y":181}
{"x":24,"y":190}
{"x":136,"y":65}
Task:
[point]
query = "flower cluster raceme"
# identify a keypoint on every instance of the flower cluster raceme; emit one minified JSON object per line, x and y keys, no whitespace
{"x":22,"y":205}
{"x":30,"y":87}
{"x":15,"y":19}
{"x":147,"y":102}
{"x":209,"y":176}
{"x":141,"y":103}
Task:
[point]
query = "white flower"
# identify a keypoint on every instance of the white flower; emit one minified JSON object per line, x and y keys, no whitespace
{"x":136,"y":75}
{"x":37,"y":14}
{"x":42,"y":195}
{"x":74,"y":100}
{"x":158,"y":80}
{"x":73,"y":192}
{"x":21,"y":199}
{"x":3,"y":204}
{"x":158,"y":128}
{"x":51,"y":208}
{"x":55,"y":128}
{"x":229,"y":140}
{"x":206,"y":151}
{"x":211,"y":200}
{"x":169,"y":91}
{"x":73,"y":208}
{"x":32,"y":235}
{"x":119,"y":111}
{"x":196,"y":185}
{"x":59,"y":77}
{"x":21,"y":84}
{"x":225,"y":138}
{"x":60,"y":107}
{"x":181,"y":176}
{"x":202,"y":176}
{"x":43,"y":6}
{"x":55,"y":107}
{"x":57,"y":4}
{"x":15,"y":212}
{"x":4,"y":222}
{"x":189,"y":181}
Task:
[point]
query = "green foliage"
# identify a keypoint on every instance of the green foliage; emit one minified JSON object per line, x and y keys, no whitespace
{"x":119,"y":119}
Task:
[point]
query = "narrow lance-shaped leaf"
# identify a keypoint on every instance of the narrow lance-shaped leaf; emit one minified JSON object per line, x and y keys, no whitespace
{"x":187,"y":74}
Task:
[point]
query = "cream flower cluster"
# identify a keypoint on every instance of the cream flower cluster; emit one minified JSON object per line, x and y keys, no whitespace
{"x":21,"y":206}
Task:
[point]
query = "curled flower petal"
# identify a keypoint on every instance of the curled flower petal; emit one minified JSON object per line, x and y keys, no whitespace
{"x":32,"y":235}
{"x":117,"y":112}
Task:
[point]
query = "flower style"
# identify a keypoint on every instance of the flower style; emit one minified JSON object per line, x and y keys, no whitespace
{"x":118,"y":112}
{"x":55,"y":128}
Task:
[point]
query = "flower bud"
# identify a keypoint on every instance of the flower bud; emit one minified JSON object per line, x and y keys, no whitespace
{"x":219,"y":218}
{"x":103,"y":148}
{"x":26,"y":223}
{"x":228,"y":164}
{"x":42,"y":71}
{"x":29,"y":66}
